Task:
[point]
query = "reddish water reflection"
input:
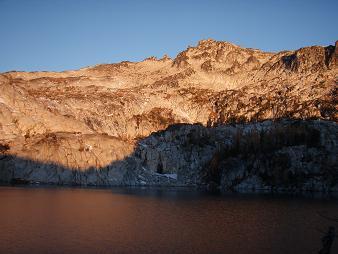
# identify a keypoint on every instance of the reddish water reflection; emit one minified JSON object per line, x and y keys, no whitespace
{"x":61,"y":220}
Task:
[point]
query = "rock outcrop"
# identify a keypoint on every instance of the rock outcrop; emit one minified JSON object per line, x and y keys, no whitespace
{"x":88,"y":126}
{"x":287,"y":155}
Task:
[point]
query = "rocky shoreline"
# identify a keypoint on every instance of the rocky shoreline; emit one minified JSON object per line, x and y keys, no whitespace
{"x":281,"y":156}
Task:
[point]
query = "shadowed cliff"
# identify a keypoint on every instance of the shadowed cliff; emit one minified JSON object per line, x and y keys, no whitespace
{"x":286,"y":155}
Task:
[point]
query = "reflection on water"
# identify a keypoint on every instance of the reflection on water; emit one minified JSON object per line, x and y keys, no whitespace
{"x":72,"y":220}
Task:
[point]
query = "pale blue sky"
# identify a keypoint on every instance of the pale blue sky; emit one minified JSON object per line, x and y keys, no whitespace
{"x":67,"y":34}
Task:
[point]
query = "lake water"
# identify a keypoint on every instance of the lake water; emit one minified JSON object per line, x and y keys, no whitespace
{"x":74,"y":220}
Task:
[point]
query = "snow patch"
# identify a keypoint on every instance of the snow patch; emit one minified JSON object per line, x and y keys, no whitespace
{"x":172,"y":176}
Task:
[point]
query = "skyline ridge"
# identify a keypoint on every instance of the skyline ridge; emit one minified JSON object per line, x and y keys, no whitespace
{"x":196,"y":45}
{"x":62,"y":35}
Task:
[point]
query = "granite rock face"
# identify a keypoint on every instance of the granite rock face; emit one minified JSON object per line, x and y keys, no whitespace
{"x":287,"y":155}
{"x":162,"y":121}
{"x":282,"y":156}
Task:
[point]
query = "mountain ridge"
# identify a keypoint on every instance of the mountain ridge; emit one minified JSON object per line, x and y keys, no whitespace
{"x":110,"y":106}
{"x":200,"y":43}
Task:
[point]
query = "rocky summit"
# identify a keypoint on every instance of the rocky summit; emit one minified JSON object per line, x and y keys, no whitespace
{"x":217,"y":115}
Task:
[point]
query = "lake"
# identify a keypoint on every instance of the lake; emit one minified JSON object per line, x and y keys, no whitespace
{"x":78,"y":220}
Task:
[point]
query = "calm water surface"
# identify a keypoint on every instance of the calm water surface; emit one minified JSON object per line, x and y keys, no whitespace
{"x":66,"y":220}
